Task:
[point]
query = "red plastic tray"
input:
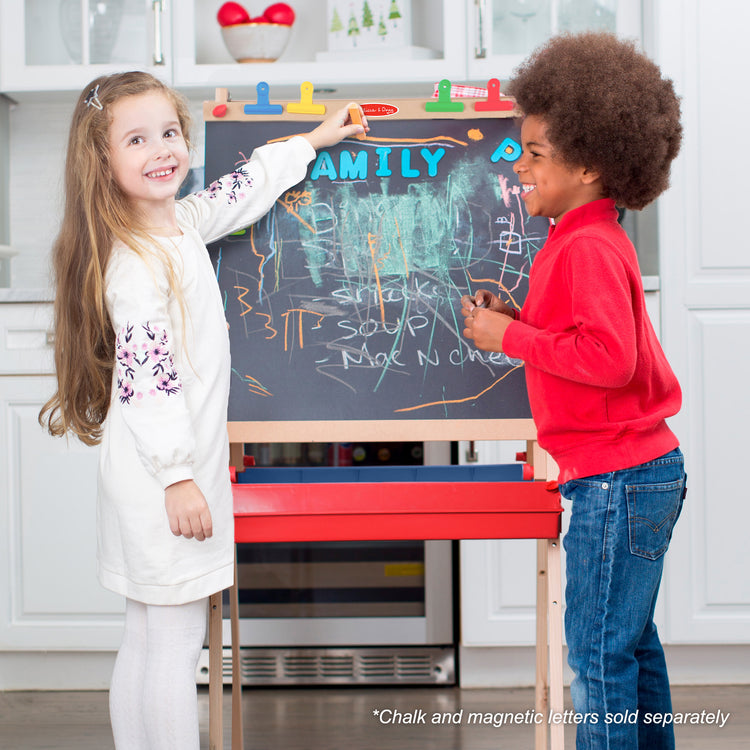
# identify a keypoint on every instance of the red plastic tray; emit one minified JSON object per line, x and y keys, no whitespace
{"x":396,"y":510}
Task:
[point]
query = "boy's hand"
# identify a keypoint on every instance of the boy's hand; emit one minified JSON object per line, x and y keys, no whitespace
{"x":188,"y":511}
{"x":337,"y":127}
{"x":484,"y":299}
{"x":486,"y":328}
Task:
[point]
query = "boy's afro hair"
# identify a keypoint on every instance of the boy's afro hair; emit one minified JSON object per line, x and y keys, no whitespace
{"x":606,"y":107}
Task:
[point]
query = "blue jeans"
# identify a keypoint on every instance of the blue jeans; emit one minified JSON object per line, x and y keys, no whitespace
{"x":620,"y":527}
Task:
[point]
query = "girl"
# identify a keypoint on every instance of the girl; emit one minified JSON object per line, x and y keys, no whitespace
{"x":142,"y":362}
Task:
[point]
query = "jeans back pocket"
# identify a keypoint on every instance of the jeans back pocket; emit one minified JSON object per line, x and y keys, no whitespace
{"x":653,"y":510}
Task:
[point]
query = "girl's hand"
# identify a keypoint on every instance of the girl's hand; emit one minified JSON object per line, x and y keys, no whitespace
{"x":485,"y":327}
{"x":337,"y":127}
{"x":188,"y":511}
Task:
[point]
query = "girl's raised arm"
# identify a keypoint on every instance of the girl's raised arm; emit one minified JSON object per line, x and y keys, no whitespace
{"x":336,"y":127}
{"x":244,"y":196}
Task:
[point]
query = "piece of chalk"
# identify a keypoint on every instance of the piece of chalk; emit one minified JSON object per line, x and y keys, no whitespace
{"x":356,"y":118}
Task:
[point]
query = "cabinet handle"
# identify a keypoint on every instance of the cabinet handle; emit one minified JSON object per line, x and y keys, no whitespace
{"x":158,"y":8}
{"x":480,"y":15}
{"x":49,"y":338}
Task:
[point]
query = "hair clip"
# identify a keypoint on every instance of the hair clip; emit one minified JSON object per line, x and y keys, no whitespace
{"x":92,"y":98}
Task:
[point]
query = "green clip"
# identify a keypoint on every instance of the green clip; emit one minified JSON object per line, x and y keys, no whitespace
{"x":444,"y":103}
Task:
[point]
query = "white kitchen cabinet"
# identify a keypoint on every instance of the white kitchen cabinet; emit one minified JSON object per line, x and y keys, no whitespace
{"x":61,"y":45}
{"x":706,"y":318}
{"x":498,"y":577}
{"x":52,"y":598}
{"x":503,"y":32}
{"x":42,"y":49}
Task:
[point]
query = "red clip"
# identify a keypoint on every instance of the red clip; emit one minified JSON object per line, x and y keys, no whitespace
{"x":553,"y":487}
{"x":528,"y":472}
{"x":233,"y":474}
{"x":248,"y":460}
{"x":494,"y":103}
{"x":521,"y":456}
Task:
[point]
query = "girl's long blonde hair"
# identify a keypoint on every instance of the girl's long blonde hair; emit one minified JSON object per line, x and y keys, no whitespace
{"x":97,"y":214}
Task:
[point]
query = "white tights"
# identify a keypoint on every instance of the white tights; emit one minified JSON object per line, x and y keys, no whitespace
{"x":153,"y":701}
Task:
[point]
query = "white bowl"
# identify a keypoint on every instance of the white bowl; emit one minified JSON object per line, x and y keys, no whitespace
{"x":256,"y":42}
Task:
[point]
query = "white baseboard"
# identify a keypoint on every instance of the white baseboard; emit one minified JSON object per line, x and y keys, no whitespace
{"x":687,"y":665}
{"x":478,"y":667}
{"x":56,"y":670}
{"x":502,"y":667}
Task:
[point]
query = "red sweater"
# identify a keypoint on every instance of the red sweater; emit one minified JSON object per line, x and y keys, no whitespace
{"x":599,"y":384}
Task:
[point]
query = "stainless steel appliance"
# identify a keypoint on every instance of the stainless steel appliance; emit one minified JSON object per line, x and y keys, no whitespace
{"x":345,"y":612}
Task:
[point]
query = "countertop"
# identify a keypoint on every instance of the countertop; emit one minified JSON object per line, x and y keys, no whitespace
{"x":13,"y":294}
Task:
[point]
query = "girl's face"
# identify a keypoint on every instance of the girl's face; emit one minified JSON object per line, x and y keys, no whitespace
{"x":550,"y":186}
{"x":149,"y":155}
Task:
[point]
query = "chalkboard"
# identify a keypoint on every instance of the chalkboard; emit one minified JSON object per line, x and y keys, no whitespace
{"x":343,"y":302}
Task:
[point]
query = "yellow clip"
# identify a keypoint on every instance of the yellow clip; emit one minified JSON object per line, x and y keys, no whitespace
{"x":305,"y":105}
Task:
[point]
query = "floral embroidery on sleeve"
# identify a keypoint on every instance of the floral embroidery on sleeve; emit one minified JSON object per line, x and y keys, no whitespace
{"x":230,"y":187}
{"x":143,"y":355}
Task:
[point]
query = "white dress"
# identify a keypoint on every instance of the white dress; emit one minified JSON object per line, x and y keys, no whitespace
{"x":168,"y":413}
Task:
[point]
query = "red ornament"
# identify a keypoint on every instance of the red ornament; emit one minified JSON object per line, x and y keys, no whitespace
{"x":231,"y":14}
{"x":279,"y":13}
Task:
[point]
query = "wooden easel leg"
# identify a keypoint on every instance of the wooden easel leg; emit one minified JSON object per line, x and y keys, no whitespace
{"x":541,"y":702}
{"x":554,"y":610}
{"x":234,"y":615}
{"x":215,"y":674}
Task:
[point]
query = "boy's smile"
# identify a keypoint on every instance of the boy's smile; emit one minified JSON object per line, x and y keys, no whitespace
{"x":551,"y":187}
{"x":149,"y":155}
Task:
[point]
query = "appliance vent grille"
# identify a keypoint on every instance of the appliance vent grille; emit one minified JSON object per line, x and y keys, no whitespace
{"x":254,"y":666}
{"x":320,"y":666}
{"x":414,"y":666}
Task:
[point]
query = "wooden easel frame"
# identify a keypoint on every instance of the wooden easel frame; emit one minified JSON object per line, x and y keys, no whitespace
{"x":549,"y":678}
{"x":549,"y":662}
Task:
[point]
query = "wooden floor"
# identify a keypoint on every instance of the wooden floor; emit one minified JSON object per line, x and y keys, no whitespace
{"x":346,"y":719}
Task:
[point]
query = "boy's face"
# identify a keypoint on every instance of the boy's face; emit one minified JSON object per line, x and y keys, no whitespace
{"x":550,"y":186}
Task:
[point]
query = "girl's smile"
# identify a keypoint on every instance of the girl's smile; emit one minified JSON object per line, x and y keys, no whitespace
{"x":162,"y":173}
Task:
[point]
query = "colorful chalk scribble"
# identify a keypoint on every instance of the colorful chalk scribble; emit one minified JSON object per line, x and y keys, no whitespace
{"x":343,"y":300}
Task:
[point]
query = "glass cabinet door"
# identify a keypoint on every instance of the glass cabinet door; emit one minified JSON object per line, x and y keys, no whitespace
{"x":53,"y":44}
{"x":506,"y":31}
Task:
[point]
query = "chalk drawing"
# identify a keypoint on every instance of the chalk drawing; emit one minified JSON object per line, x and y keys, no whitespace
{"x":361,"y":268}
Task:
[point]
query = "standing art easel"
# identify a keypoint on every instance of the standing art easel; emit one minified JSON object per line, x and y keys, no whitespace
{"x":342,"y":305}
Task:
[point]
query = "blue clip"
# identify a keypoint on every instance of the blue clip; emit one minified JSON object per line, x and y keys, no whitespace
{"x":263,"y":105}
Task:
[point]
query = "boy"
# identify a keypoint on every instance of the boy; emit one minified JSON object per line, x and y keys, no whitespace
{"x":601,"y":128}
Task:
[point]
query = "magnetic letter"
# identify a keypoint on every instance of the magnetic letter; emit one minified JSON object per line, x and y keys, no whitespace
{"x":508,"y":150}
{"x":353,"y":169}
{"x":406,"y":168}
{"x":323,"y":167}
{"x":432,"y":160}
{"x":383,"y":170}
